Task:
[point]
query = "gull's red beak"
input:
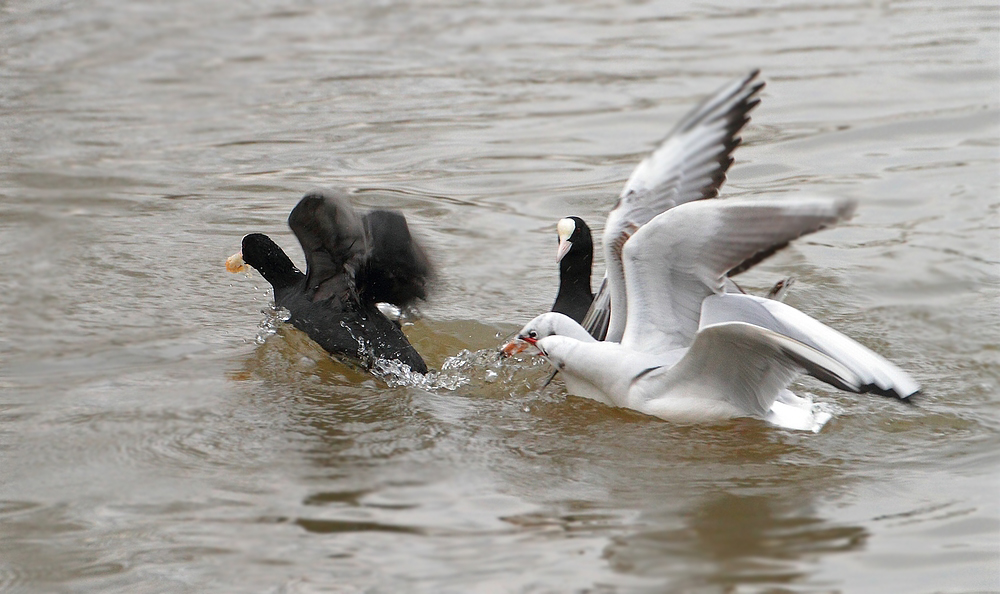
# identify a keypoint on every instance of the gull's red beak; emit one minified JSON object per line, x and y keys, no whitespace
{"x":518,"y":345}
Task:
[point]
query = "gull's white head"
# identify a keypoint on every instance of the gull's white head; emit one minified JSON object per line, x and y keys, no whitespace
{"x":565,"y":228}
{"x":547,"y":324}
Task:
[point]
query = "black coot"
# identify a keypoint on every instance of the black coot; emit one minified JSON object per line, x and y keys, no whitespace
{"x":575,"y":256}
{"x":352,"y":263}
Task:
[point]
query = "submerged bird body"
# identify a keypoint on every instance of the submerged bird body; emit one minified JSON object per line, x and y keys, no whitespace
{"x":351,"y":264}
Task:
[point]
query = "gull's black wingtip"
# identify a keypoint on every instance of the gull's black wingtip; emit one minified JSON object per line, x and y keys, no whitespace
{"x":908,"y":399}
{"x":756,"y":87}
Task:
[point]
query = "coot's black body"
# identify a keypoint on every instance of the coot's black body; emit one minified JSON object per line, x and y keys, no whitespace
{"x":575,"y":296}
{"x":352,"y":263}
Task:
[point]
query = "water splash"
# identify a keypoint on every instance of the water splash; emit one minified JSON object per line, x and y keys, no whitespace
{"x":484,"y":369}
{"x":393,"y":312}
{"x":397,"y":374}
{"x":824,"y":409}
{"x":273,"y":318}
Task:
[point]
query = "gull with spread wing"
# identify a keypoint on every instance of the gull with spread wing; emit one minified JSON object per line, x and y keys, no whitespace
{"x":691,"y":351}
{"x":690,"y":164}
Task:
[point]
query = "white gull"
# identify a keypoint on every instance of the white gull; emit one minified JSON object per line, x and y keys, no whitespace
{"x":690,"y":351}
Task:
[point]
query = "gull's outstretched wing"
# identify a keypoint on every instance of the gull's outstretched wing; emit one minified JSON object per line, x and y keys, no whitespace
{"x":689,"y":164}
{"x":737,"y":365}
{"x":599,"y":315}
{"x":875,"y":374}
{"x":683,"y":255}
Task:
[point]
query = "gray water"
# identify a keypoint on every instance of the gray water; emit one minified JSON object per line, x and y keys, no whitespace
{"x":150,"y":443}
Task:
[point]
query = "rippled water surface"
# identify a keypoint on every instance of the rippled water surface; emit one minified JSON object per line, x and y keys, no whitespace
{"x":149,"y":443}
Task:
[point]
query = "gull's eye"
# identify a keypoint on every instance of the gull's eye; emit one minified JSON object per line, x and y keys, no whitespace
{"x":532,"y":334}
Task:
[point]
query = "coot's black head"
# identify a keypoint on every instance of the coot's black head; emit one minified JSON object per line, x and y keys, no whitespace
{"x":268,"y":259}
{"x":576,"y":246}
{"x":575,"y":256}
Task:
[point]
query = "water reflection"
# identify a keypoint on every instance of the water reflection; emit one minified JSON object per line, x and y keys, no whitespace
{"x":149,"y":444}
{"x":477,"y":470}
{"x":734,"y":540}
{"x":26,"y":551}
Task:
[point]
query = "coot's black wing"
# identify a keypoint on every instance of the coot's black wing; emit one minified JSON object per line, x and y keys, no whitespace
{"x":333,"y":239}
{"x":395,"y":269}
